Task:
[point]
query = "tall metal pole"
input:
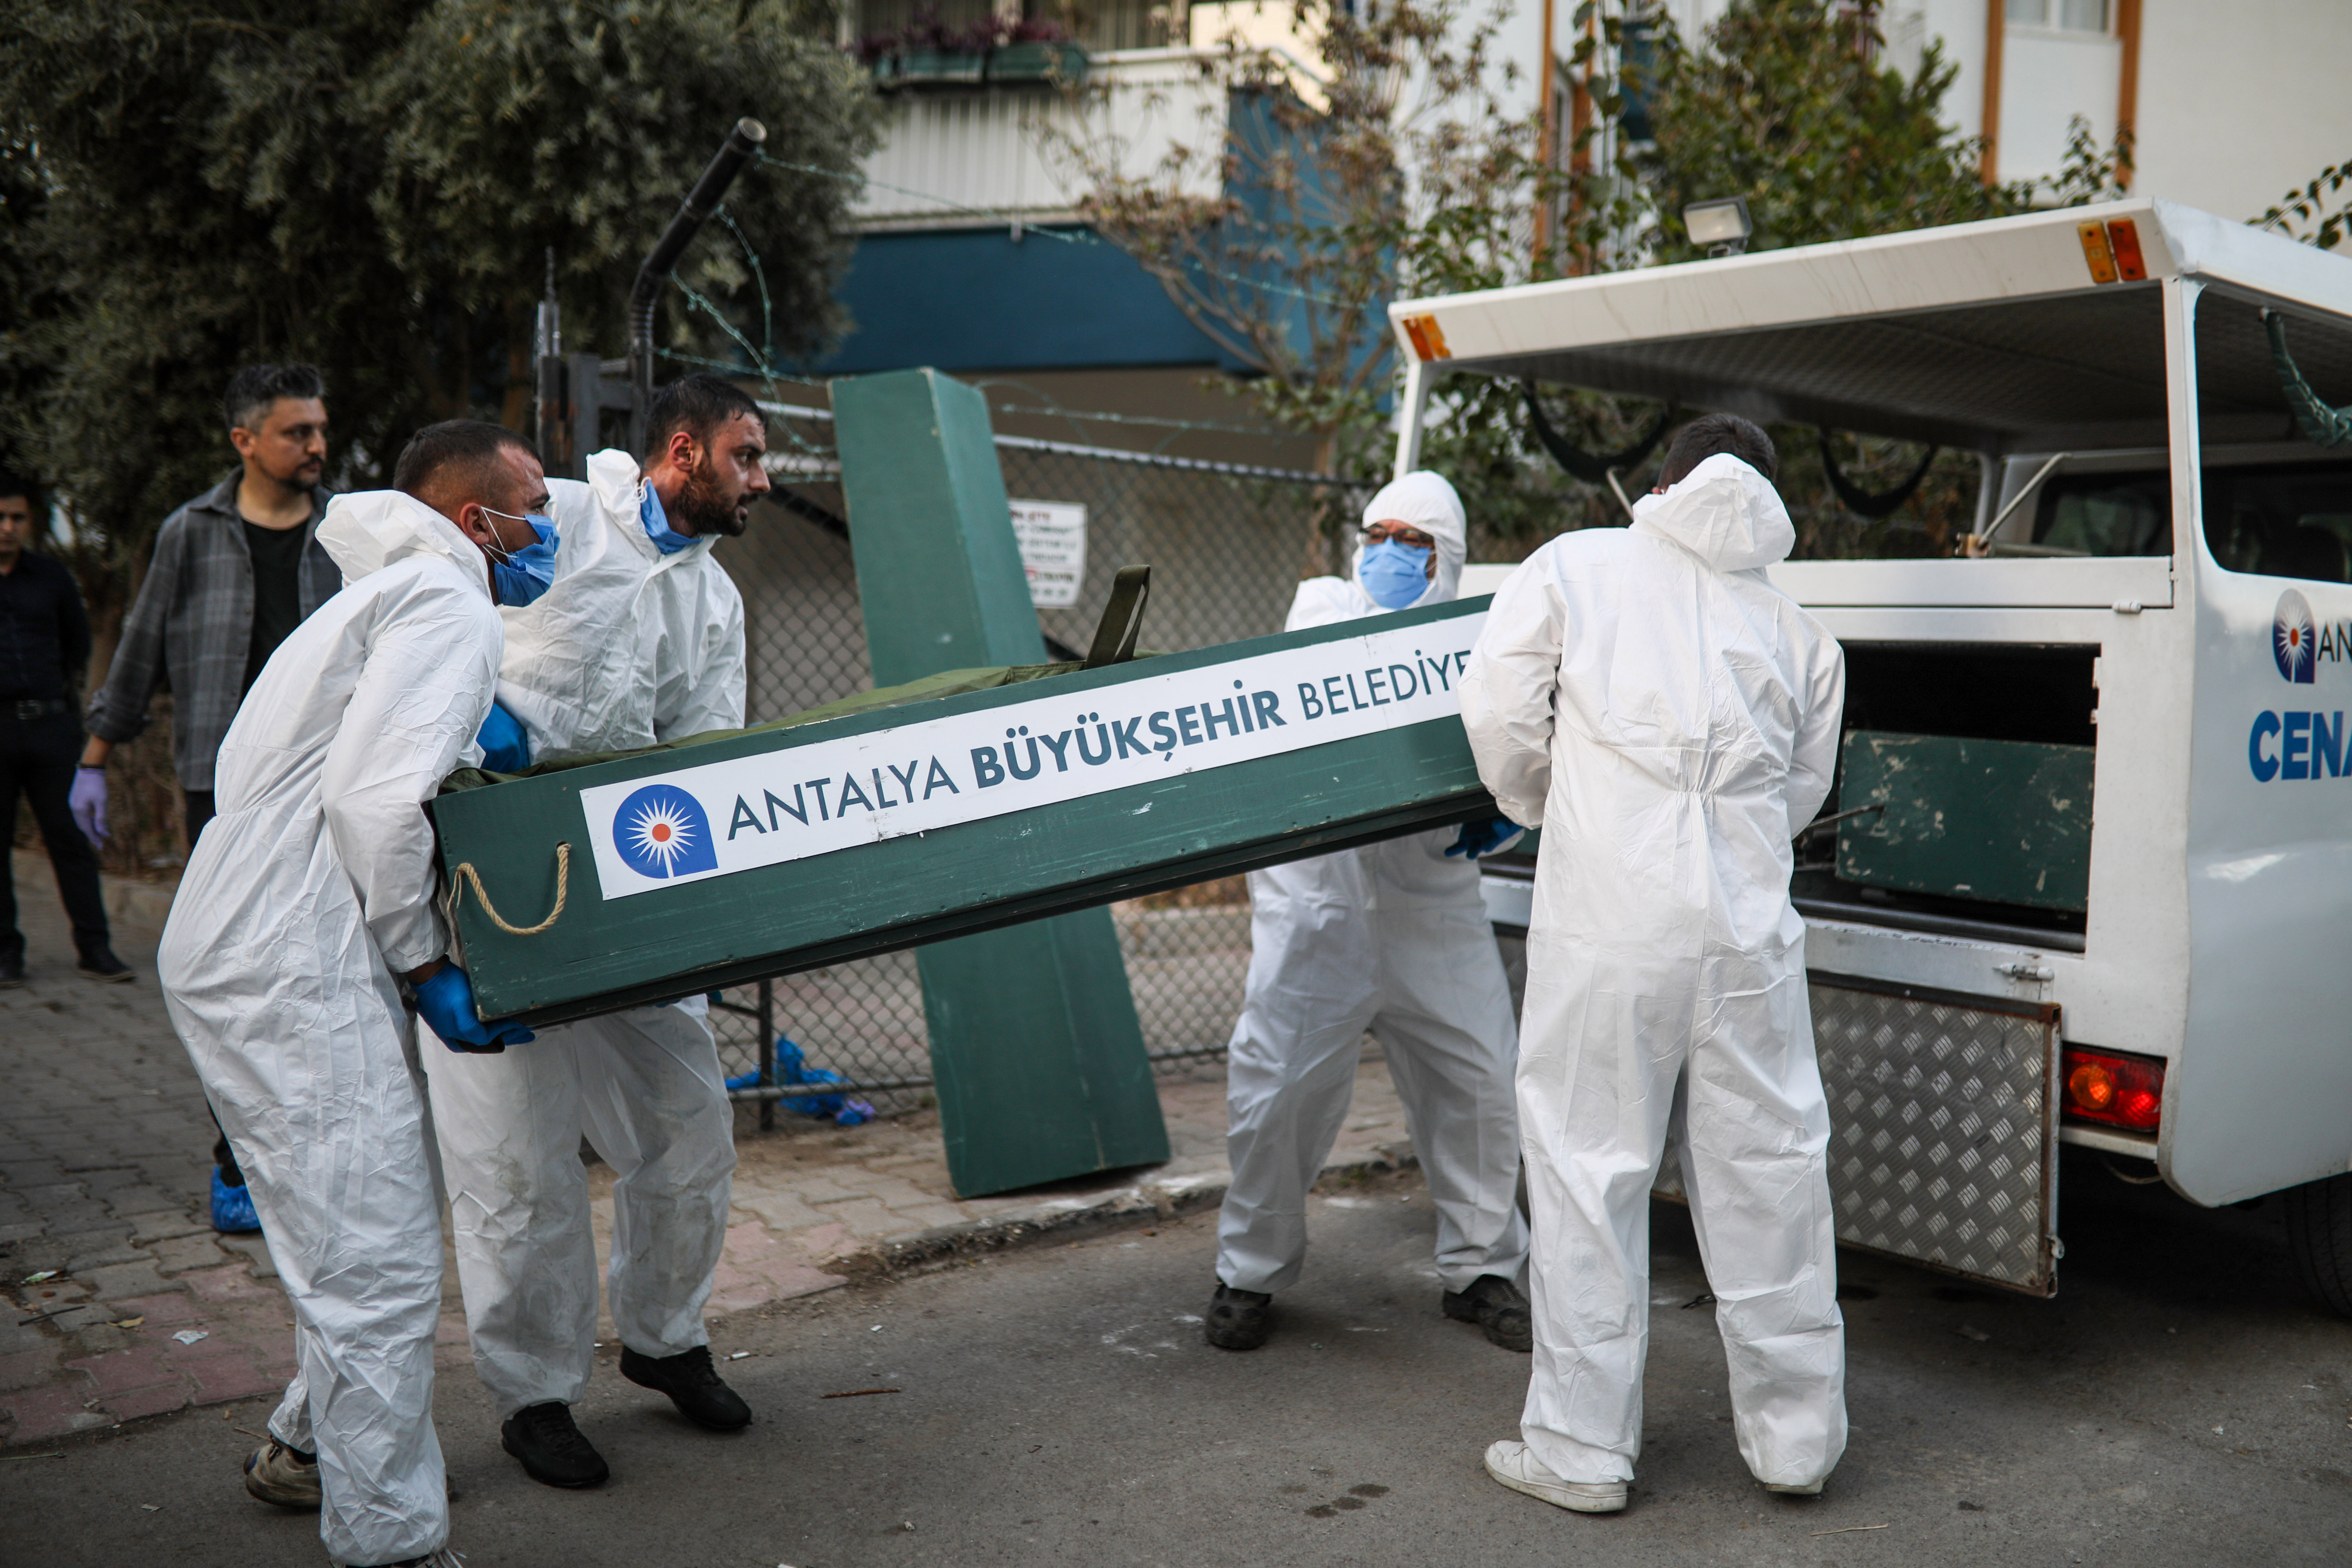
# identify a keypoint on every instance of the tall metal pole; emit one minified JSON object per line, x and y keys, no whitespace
{"x":547,"y":355}
{"x":734,"y":153}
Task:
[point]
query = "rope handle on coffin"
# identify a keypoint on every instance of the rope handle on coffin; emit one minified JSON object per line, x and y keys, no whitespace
{"x":467,"y":875}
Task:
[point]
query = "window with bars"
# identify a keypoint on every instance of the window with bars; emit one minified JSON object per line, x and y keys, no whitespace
{"x":2059,"y":16}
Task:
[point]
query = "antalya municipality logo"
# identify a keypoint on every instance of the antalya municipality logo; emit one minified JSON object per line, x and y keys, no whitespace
{"x":2294,"y":639}
{"x":660,"y":831}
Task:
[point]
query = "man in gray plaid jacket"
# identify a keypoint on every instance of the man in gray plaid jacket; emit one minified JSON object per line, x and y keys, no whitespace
{"x":235,"y":571}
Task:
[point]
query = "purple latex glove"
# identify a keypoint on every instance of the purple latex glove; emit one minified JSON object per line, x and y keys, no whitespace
{"x":87,"y":799}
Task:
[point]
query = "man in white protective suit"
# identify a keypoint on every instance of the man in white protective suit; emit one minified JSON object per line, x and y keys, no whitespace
{"x":309,"y":897}
{"x":1392,"y":938}
{"x":1674,"y":718}
{"x":639,"y":640}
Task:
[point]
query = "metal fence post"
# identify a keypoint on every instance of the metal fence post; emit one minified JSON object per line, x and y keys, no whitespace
{"x":766,"y":1053}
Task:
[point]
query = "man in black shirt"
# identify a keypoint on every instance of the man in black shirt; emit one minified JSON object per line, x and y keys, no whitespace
{"x":44,"y":643}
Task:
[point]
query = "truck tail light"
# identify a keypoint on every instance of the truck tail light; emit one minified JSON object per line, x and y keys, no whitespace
{"x":2110,"y":1088}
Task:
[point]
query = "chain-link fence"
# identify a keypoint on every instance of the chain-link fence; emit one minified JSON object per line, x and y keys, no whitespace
{"x":1226,"y":544}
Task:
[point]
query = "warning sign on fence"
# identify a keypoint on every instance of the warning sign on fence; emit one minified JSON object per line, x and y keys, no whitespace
{"x":1052,"y":538}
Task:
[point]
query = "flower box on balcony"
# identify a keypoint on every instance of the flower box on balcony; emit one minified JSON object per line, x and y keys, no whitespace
{"x":1026,"y":62}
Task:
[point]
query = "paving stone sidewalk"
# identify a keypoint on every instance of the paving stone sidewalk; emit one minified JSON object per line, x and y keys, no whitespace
{"x":106,"y":1156}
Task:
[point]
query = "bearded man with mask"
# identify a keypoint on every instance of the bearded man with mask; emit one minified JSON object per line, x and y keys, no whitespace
{"x":638,"y":640}
{"x":1392,"y":938}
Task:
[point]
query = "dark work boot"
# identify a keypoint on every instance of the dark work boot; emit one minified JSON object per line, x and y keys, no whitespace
{"x":99,"y":963}
{"x":1497,"y":1306}
{"x":693,"y":1386}
{"x":1238,"y":1320}
{"x":544,"y":1437}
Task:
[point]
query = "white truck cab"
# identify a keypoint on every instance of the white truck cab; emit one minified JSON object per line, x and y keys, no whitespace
{"x":2157,"y":604}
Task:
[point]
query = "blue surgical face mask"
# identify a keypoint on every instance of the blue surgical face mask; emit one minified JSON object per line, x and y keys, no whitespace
{"x":667,"y":540}
{"x":1393,"y":574}
{"x":522,"y":575}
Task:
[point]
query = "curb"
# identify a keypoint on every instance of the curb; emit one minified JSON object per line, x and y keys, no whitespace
{"x":1071,"y":1218}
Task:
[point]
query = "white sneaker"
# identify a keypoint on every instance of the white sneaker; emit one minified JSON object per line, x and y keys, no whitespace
{"x":1511,"y":1464}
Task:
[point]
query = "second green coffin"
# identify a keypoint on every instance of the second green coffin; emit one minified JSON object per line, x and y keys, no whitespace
{"x":2007,"y":822}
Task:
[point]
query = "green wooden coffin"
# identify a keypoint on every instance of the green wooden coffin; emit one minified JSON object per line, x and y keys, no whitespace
{"x":2005,"y":821}
{"x":728,"y":859}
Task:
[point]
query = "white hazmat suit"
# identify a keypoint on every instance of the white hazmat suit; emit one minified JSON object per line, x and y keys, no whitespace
{"x":1673,"y":717}
{"x":1392,"y":938}
{"x":627,"y":647}
{"x":309,"y":891}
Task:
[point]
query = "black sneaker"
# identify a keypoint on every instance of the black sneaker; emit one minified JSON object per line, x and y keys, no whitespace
{"x":12,"y":972}
{"x":100,"y":963}
{"x":1238,"y":1320}
{"x":693,"y":1386}
{"x":1497,"y":1306}
{"x":551,"y":1447}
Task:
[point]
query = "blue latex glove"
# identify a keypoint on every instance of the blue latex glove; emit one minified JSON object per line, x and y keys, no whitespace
{"x":505,"y":748}
{"x":1478,"y":838}
{"x":86,"y":800}
{"x":447,"y":1002}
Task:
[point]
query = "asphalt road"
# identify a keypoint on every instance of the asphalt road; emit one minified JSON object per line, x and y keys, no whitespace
{"x":2177,"y":1403}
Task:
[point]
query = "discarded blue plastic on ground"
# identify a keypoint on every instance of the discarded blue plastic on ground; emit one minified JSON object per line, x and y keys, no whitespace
{"x":790,"y":1069}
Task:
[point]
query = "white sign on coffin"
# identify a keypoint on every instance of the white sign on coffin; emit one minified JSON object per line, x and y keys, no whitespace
{"x":722,"y":817}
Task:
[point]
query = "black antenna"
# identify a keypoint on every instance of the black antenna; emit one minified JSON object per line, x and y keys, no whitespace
{"x":734,"y":153}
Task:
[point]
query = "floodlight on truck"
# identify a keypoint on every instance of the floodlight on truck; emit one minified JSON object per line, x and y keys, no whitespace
{"x":2113,"y":1088}
{"x":1723,"y":226}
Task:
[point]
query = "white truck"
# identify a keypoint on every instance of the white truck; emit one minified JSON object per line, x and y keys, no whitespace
{"x":2156,"y":602}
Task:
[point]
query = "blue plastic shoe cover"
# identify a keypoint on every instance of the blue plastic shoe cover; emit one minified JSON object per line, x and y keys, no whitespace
{"x":232,"y":1208}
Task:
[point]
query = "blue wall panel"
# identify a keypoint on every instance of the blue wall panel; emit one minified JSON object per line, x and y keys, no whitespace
{"x":965,"y":299}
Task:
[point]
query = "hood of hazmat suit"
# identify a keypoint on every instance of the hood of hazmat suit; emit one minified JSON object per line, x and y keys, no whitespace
{"x":367,"y":531}
{"x":629,"y":647}
{"x":1672,"y":719}
{"x":304,"y":897}
{"x":1421,"y":499}
{"x":1393,"y":938}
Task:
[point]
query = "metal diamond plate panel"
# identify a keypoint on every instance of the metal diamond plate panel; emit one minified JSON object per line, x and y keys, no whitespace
{"x":1942,"y":1134}
{"x":1943,"y":1138}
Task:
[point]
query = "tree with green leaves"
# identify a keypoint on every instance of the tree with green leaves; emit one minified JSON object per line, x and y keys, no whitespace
{"x":2301,"y":213}
{"x":1791,"y":104}
{"x":373,"y":185}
